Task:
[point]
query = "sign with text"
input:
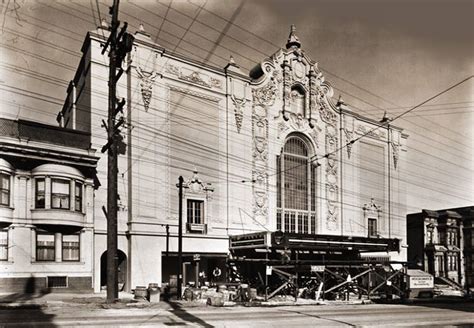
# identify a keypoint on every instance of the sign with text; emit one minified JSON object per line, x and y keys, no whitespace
{"x":317,"y":268}
{"x":269,"y":270}
{"x":421,"y":282}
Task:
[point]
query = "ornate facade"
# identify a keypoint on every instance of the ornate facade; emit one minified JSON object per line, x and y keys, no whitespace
{"x":269,"y":150}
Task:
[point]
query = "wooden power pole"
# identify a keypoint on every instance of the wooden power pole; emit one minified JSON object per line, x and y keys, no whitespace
{"x":120,"y":44}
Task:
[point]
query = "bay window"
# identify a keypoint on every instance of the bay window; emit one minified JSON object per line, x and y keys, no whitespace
{"x":4,"y":189}
{"x":39,"y":193}
{"x":78,"y":197}
{"x":60,"y":193}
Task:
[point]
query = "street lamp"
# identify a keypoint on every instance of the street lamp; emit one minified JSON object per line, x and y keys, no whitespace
{"x":180,"y":235}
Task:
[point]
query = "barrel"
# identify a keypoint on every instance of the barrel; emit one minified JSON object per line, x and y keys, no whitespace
{"x":253,"y":294}
{"x":140,"y":292}
{"x":154,"y":292}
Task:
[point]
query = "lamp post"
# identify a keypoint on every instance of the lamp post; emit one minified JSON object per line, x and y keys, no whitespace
{"x":180,"y":236}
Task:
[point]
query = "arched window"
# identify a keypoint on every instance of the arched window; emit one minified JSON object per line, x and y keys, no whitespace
{"x":296,"y":188}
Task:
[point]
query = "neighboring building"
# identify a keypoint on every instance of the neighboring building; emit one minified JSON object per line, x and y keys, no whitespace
{"x":441,"y":242}
{"x":260,"y":152}
{"x":46,"y":207}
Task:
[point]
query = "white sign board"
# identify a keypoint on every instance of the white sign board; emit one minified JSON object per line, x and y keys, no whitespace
{"x":269,"y":270}
{"x":317,"y":268}
{"x":421,"y":282}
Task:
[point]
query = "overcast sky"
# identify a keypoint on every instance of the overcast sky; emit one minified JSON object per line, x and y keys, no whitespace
{"x":380,"y":55}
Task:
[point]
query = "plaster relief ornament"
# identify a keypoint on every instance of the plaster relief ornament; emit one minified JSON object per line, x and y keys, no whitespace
{"x":239,"y":104}
{"x":196,"y":78}
{"x":146,"y":85}
{"x":364,"y":130}
{"x":395,"y":148}
{"x":263,"y":98}
{"x":348,"y":130}
{"x":266,"y":95}
{"x":371,"y":209}
{"x":196,"y":185}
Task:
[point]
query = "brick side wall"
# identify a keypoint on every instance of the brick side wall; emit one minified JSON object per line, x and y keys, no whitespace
{"x":38,"y":285}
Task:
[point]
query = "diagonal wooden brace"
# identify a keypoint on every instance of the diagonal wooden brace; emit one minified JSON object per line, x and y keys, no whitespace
{"x":347,"y":282}
{"x":384,"y":282}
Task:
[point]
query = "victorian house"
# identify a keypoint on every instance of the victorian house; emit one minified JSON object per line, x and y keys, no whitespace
{"x":441,"y":242}
{"x":267,"y":150}
{"x":46,"y":208}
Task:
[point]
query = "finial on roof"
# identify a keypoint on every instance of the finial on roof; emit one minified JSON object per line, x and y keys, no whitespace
{"x":141,"y":28}
{"x":293,"y":41}
{"x":232,"y":66}
{"x":340,"y":101}
{"x":104,"y":24}
{"x":385,"y":118}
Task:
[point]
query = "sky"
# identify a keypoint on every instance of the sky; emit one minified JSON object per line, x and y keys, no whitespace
{"x":380,"y":55}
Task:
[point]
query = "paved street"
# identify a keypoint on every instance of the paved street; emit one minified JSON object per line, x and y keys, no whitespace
{"x":429,"y":315}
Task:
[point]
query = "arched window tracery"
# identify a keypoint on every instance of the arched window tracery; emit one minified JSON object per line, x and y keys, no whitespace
{"x":296,"y":187}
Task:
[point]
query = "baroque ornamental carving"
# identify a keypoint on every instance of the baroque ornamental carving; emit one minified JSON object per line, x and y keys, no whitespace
{"x":195,"y":185}
{"x":147,"y":79}
{"x":349,"y":134}
{"x":193,"y":77}
{"x":297,"y":123}
{"x":332,"y":195}
{"x":371,"y":209}
{"x":374,"y":133}
{"x":395,"y":148}
{"x":239,"y":104}
{"x":263,"y":98}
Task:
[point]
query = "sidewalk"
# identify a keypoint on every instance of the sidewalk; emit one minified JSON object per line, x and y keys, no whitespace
{"x":126,"y":300}
{"x":92,"y":300}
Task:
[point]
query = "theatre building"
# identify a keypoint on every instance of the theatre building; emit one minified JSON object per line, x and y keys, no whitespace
{"x":262,"y":151}
{"x":46,"y":208}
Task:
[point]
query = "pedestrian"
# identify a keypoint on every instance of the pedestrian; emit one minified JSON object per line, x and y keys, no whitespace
{"x":216,"y":273}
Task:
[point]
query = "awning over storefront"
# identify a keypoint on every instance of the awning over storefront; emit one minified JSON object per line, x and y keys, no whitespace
{"x":307,"y":244}
{"x":436,"y":248}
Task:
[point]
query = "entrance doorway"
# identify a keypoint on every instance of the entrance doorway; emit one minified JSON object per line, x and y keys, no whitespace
{"x":121,"y":267}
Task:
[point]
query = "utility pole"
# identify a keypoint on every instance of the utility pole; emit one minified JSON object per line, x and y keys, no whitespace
{"x":120,"y":44}
{"x":180,"y":236}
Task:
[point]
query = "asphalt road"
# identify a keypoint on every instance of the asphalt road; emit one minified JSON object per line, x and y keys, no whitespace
{"x":376,"y":315}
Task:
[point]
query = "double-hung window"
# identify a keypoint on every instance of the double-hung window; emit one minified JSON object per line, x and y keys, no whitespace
{"x":71,"y":247}
{"x":39,"y":193}
{"x":3,"y":245}
{"x":45,"y":247}
{"x":78,"y":197}
{"x":195,"y":211}
{"x":4,"y":189}
{"x":372,"y":227}
{"x":60,"y":191}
